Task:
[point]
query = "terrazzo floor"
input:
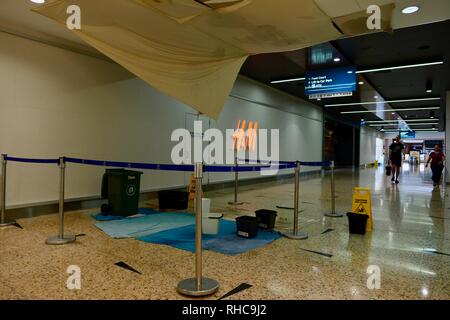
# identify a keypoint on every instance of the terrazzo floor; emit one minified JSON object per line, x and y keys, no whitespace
{"x":410,"y":219}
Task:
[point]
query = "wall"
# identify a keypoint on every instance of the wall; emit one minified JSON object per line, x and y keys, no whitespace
{"x":368,"y":145}
{"x":55,"y":102}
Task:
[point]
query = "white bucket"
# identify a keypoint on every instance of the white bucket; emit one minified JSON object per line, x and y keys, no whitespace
{"x":206,"y":206}
{"x":210,"y":223}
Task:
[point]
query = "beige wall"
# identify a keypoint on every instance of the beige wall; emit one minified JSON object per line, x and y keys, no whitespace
{"x":59,"y":103}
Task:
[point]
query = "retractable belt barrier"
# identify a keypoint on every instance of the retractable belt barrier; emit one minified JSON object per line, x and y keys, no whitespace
{"x":131,"y":165}
{"x":27,"y":160}
{"x":315,"y":164}
{"x":175,"y":167}
{"x":198,"y":286}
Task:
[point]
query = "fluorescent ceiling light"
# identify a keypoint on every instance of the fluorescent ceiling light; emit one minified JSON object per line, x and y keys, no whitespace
{"x":406,"y":121}
{"x":408,"y":66}
{"x":425,"y":130}
{"x":337,"y":59}
{"x":38,"y":1}
{"x":377,"y":102}
{"x":361,"y":83}
{"x":393,"y":125}
{"x":389,"y":110}
{"x":410,"y":9}
{"x":288,"y":80}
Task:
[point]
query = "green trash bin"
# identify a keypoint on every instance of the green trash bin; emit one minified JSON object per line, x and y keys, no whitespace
{"x":122,"y":188}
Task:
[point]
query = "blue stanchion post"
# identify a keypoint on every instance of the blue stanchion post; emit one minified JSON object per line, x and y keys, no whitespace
{"x":198,"y":286}
{"x":3,"y":221}
{"x":61,"y":238}
{"x":333,"y":213}
{"x":295,"y":234}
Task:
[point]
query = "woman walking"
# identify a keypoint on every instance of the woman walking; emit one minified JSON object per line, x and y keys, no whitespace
{"x":436,"y":158}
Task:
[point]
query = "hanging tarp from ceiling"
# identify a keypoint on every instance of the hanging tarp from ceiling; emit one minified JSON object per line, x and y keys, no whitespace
{"x":193,"y":50}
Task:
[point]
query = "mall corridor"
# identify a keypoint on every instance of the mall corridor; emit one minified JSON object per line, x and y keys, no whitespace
{"x":410,"y":243}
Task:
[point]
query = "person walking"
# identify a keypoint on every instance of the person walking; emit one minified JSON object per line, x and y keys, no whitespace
{"x":436,"y":158}
{"x":396,"y":158}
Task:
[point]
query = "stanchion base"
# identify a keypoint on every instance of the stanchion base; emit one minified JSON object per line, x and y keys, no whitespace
{"x":299,"y":236}
{"x":56,"y":240}
{"x":7,"y":223}
{"x":334,"y":215}
{"x":188,"y":287}
{"x":238,"y":203}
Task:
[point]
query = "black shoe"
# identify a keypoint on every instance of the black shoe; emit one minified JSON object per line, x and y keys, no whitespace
{"x":397,"y":182}
{"x":393,"y":179}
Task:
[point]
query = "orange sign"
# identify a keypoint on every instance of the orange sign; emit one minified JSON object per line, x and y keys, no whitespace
{"x":245,"y":136}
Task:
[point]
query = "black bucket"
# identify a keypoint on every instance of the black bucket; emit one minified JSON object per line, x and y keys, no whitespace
{"x":247,"y":227}
{"x":175,"y":200}
{"x":357,"y":223}
{"x":388,"y":170}
{"x":266,"y":218}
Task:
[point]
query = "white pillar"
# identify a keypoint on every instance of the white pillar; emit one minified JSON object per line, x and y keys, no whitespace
{"x":447,"y":137}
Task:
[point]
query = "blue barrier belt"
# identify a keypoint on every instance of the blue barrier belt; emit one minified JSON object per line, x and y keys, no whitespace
{"x":172,"y":167}
{"x":132,"y":165}
{"x":315,"y":164}
{"x":247,"y":168}
{"x":26,"y":160}
{"x":250,"y":161}
{"x":303,"y":163}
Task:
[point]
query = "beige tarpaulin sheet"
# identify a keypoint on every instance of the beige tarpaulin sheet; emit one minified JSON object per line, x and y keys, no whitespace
{"x":190,"y":50}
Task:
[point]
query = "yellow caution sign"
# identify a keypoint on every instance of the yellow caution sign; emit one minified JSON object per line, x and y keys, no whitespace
{"x":362,"y":204}
{"x":192,"y":188}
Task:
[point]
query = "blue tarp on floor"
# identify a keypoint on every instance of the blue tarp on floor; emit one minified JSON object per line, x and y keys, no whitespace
{"x":145,"y":225}
{"x":141,"y":211}
{"x":226,"y":242}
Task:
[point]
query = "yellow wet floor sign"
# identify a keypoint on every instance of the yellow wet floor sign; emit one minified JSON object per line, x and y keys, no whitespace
{"x":362,"y":204}
{"x":192,"y":188}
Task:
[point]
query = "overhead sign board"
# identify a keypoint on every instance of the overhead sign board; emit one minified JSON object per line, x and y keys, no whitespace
{"x":329,"y":83}
{"x":407,"y":134}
